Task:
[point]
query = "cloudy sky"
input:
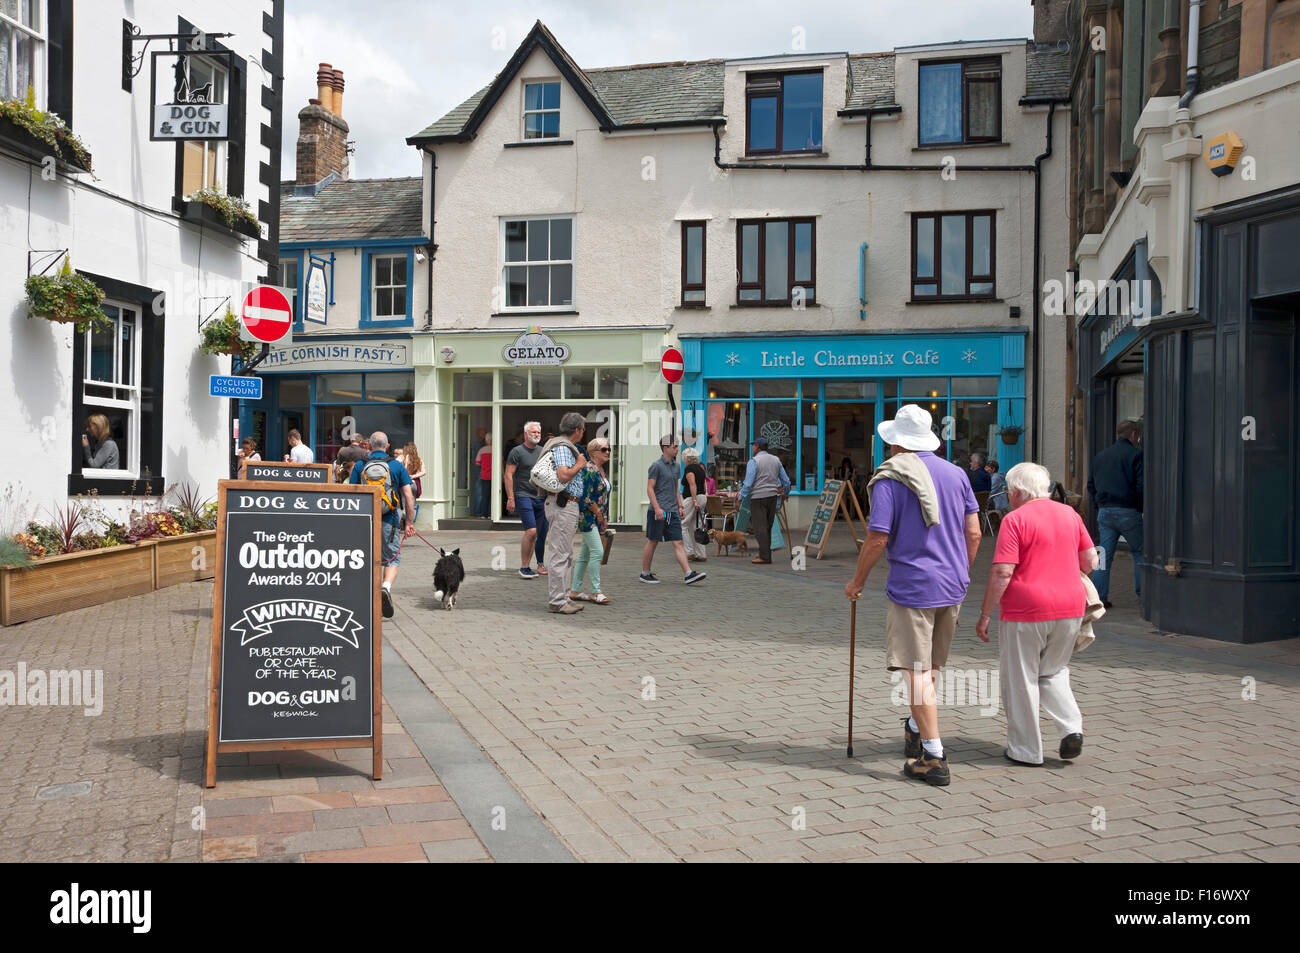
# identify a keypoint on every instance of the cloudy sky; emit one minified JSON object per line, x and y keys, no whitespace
{"x":406,"y":62}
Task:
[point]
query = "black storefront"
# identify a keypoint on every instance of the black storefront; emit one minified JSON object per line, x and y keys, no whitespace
{"x":1222,"y":537}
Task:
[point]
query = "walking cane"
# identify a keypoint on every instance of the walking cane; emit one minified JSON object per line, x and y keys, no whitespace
{"x":853,"y":634}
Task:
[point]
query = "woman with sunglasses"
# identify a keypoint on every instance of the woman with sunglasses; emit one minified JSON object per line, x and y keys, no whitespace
{"x":592,"y":520}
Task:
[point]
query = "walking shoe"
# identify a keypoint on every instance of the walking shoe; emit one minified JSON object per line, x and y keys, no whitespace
{"x":1071,"y":746}
{"x":569,"y":608}
{"x":694,"y":576}
{"x":649,"y":577}
{"x":541,"y":570}
{"x":387,"y":598}
{"x":929,"y":769}
{"x":528,"y":573}
{"x":1026,"y":764}
{"x":911,"y":741}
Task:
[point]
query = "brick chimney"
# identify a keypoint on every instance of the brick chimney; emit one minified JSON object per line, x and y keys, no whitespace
{"x":322,"y":133}
{"x":1049,"y":20}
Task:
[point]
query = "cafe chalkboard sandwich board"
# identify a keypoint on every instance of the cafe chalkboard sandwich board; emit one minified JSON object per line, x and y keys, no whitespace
{"x":830,"y":504}
{"x":296,"y":635}
{"x":270,"y":470}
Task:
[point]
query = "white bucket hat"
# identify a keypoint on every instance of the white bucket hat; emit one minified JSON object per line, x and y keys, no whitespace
{"x":909,"y":429}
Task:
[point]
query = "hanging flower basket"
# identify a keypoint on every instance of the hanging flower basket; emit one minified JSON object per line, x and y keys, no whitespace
{"x":1011,"y":435}
{"x":222,"y":337}
{"x":67,"y":298}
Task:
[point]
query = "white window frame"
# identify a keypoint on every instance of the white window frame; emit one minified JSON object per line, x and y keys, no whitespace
{"x":571,"y":262}
{"x":375,"y":287}
{"x":40,"y":53}
{"x":131,"y":403}
{"x":219,"y":72}
{"x":523,"y":121}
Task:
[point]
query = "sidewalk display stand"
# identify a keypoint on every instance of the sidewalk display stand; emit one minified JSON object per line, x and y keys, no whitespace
{"x":296,"y":639}
{"x":833,"y":502}
{"x":275,"y":472}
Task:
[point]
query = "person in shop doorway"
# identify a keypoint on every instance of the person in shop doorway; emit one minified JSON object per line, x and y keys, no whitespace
{"x":299,"y":452}
{"x":483,"y":460}
{"x":1115,"y":488}
{"x":980,"y":480}
{"x":663,"y":521}
{"x":527,"y":500}
{"x":766,"y":485}
{"x":391,"y":532}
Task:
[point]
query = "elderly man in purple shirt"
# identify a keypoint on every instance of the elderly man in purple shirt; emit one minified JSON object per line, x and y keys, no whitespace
{"x":925,"y":520}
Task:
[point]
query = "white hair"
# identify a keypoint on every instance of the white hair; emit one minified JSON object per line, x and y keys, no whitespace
{"x":690,"y":455}
{"x":1030,"y":480}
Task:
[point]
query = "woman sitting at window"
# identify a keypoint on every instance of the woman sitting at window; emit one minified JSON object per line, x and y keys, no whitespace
{"x":97,"y":448}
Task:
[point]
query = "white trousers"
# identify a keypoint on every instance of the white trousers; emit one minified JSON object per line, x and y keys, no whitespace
{"x":1035,"y":658}
{"x":691,"y":506}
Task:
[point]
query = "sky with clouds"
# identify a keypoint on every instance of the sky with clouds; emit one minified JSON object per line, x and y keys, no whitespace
{"x":406,"y":62}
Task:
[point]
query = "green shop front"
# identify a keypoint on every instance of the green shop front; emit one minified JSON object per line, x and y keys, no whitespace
{"x":473,"y":383}
{"x":818,"y":399}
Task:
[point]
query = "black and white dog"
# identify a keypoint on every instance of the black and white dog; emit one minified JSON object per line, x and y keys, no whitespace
{"x":447,"y":577}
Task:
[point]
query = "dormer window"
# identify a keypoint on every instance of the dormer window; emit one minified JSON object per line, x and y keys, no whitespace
{"x":784,"y":112}
{"x":542,"y":110}
{"x":960,"y":102}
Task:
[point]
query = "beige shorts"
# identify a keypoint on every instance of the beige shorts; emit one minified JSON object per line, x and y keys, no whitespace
{"x":918,"y":638}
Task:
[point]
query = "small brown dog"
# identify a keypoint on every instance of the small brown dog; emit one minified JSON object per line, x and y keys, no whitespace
{"x":727,"y":540}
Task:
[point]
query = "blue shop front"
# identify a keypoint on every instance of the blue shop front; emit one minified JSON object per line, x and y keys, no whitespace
{"x":818,"y":399}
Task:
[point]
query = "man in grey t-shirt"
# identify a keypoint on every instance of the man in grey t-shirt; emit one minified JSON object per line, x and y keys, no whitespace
{"x":664,"y":519}
{"x":525,"y":499}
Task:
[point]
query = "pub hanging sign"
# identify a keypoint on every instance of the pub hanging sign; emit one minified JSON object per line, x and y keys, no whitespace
{"x":189,"y":95}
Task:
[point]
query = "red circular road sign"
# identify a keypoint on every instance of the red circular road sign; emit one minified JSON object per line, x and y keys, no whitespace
{"x":267,"y":314}
{"x":672,"y":365}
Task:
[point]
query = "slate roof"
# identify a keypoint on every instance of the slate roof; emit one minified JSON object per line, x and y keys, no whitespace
{"x":353,"y":209}
{"x":692,"y":92}
{"x":1047,"y":73}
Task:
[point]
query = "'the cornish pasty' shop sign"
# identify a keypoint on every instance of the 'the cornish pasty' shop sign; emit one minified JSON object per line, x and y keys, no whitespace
{"x":535,"y":348}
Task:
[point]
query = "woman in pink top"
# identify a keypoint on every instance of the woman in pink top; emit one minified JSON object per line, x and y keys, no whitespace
{"x":1042,"y":549}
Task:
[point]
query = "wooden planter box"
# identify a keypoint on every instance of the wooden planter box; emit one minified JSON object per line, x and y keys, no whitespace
{"x":75,"y":581}
{"x":22,"y":141}
{"x":80,"y":580}
{"x":203,"y":214}
{"x":174,"y":558}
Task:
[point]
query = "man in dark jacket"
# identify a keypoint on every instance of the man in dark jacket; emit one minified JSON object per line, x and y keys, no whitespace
{"x":1115,"y":488}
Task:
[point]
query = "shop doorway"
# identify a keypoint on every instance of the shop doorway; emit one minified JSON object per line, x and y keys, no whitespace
{"x":293,"y":402}
{"x":601,"y":421}
{"x":851,"y":441}
{"x":469,"y":428}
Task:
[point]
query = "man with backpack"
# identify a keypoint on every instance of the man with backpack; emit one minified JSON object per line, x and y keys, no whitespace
{"x":561,"y":477}
{"x":396,"y":497}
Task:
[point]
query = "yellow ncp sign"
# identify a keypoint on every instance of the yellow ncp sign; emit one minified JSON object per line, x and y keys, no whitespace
{"x":1222,"y":153}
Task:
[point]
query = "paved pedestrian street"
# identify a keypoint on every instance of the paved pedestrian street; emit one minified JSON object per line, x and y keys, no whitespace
{"x":703,"y":723}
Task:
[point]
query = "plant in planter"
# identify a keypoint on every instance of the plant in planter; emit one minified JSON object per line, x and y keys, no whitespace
{"x":67,"y":298}
{"x":222,"y":337}
{"x":48,"y":128}
{"x":231,"y":208}
{"x":190,"y":509}
{"x":1011,"y":434}
{"x":17,"y":552}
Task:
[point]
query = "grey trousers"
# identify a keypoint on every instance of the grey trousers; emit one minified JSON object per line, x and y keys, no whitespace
{"x":1035,"y":658}
{"x":563,"y":524}
{"x":761,"y":514}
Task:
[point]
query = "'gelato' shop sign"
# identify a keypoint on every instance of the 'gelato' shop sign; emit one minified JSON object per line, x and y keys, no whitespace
{"x":336,"y":356}
{"x":534,"y":347}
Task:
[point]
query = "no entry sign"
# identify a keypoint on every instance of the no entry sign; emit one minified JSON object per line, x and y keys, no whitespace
{"x":672,"y":365}
{"x":267,"y":314}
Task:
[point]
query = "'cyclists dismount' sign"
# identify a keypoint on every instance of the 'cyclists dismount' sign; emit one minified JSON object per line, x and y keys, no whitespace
{"x":295,"y":629}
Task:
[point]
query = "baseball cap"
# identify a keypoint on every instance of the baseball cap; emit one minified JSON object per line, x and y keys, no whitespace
{"x":760,"y":442}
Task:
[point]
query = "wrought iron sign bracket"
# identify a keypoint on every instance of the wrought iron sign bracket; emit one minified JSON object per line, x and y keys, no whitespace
{"x":133,"y":62}
{"x":51,"y":257}
{"x":202,"y":319}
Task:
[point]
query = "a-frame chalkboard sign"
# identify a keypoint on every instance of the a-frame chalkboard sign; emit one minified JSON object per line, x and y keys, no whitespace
{"x":296,"y":639}
{"x":830,"y":504}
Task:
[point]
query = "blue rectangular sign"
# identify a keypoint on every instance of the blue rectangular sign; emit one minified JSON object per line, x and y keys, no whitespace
{"x":245,"y":387}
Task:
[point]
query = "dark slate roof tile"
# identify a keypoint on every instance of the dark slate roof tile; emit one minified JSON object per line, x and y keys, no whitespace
{"x":353,"y":209}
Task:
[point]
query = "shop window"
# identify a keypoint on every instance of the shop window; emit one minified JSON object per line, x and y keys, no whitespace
{"x":289,"y":279}
{"x":390,"y":387}
{"x":776,"y":261}
{"x":960,"y":102}
{"x":925,"y":387}
{"x":514,"y":385}
{"x":579,"y":383}
{"x":693,"y":271}
{"x":779,"y":387}
{"x":22,"y":50}
{"x":471,"y":386}
{"x":776,"y":421}
{"x":726,"y":389}
{"x":613,"y":383}
{"x":111,"y":389}
{"x":974,"y":387}
{"x":975,"y":426}
{"x":390,"y":291}
{"x":329,"y":388}
{"x":849,"y":390}
{"x":537,"y":267}
{"x":807,"y":446}
{"x":952,"y":256}
{"x":546,"y":384}
{"x":203,"y":164}
{"x":542,"y":110}
{"x":784,"y":112}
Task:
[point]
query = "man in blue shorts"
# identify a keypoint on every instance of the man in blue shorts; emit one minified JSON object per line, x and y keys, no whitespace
{"x":391,"y":533}
{"x":663,"y":520}
{"x":527,"y":500}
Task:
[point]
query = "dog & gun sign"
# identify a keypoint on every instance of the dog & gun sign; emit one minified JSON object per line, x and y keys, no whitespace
{"x":295,"y":635}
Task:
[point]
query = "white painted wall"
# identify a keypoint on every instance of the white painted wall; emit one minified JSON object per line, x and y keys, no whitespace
{"x":120,"y":224}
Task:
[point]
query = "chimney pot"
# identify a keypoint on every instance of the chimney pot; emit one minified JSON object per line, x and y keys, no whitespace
{"x":324,"y":86}
{"x":337,"y":84}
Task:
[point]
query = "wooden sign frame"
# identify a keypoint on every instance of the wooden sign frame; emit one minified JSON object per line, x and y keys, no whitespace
{"x":840,"y":505}
{"x":328,"y":467}
{"x":376,"y":740}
